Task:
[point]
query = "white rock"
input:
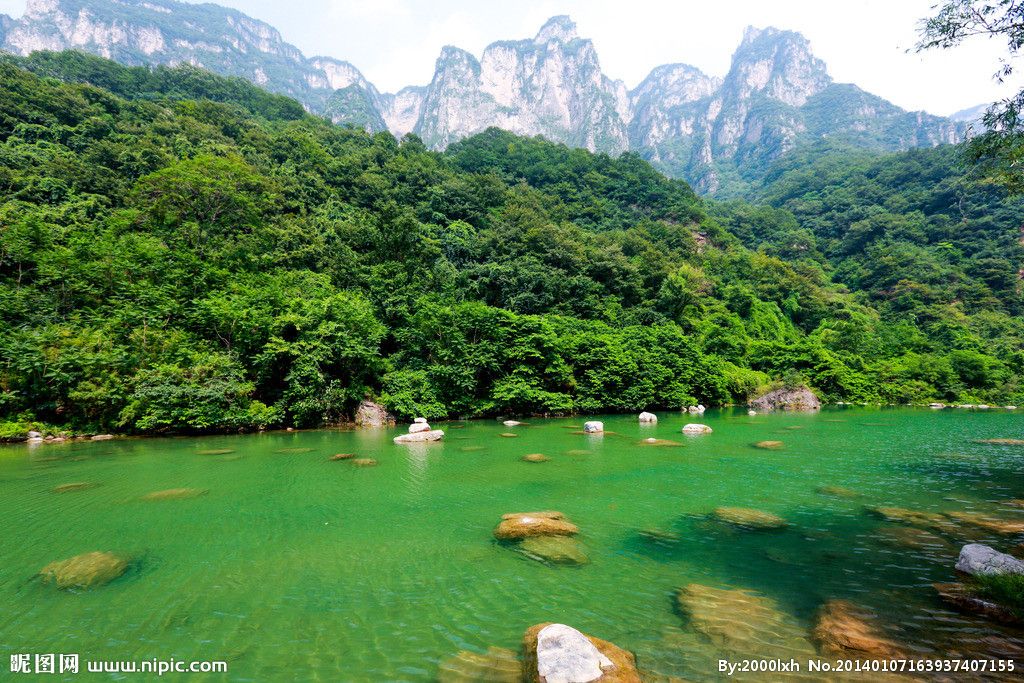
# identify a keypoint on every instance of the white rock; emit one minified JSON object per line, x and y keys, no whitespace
{"x":751,"y":412}
{"x":511,"y":423}
{"x":976,"y":558}
{"x":417,"y":427}
{"x":417,"y":437}
{"x":982,"y":407}
{"x":420,"y":421}
{"x":648,"y":417}
{"x":593,"y":427}
{"x":1011,"y":407}
{"x":936,"y":406}
{"x":564,"y":655}
{"x":35,"y":435}
{"x":651,"y":440}
{"x":696,"y":429}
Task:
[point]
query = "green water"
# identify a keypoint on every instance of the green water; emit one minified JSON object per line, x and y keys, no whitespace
{"x":296,"y":567}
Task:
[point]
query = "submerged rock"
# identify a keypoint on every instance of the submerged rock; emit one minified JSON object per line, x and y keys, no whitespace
{"x":508,"y":435}
{"x":742,"y":623}
{"x":497,"y":665}
{"x":420,"y":437}
{"x":536,"y":457}
{"x":843,"y":630}
{"x":88,"y":570}
{"x":364,"y":462}
{"x":175,"y":494}
{"x":370,"y":414}
{"x":977,"y":559}
{"x":554,"y":549}
{"x":993,"y":524}
{"x":769,"y":445}
{"x":748,"y":518}
{"x":660,"y":536}
{"x":1002,"y":442}
{"x":966,"y":599}
{"x":593,"y":427}
{"x":342,"y":456}
{"x":216,"y":451}
{"x":799,"y":399}
{"x":837,"y":491}
{"x":74,"y":486}
{"x":696,"y":429}
{"x":556,"y":653}
{"x":648,"y":418}
{"x":659,"y":442}
{"x":519,"y":525}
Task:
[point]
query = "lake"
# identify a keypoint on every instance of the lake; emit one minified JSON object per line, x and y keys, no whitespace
{"x":293,"y":566}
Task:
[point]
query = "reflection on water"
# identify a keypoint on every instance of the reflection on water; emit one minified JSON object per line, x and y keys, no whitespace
{"x":262,"y":550}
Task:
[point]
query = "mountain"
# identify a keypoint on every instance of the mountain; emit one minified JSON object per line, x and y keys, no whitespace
{"x":971,"y":114}
{"x":720,"y":134}
{"x":222,"y":40}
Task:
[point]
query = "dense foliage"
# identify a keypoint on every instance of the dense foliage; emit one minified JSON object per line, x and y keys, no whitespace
{"x":193,"y":254}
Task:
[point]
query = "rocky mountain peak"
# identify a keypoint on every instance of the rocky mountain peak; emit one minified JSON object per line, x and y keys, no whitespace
{"x":779,"y":64}
{"x":560,"y":29}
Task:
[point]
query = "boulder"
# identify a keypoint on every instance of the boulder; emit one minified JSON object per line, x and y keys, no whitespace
{"x":419,"y":437}
{"x":593,"y":427}
{"x":511,"y":423}
{"x":34,"y":435}
{"x":769,"y":445}
{"x":748,"y":518}
{"x":743,"y":624}
{"x":843,"y":630}
{"x":536,"y":457}
{"x":417,"y":427}
{"x":370,"y":414}
{"x":554,"y":549}
{"x":556,"y":653}
{"x":798,"y":399}
{"x":102,"y":437}
{"x":520,"y":525}
{"x":751,"y":413}
{"x":976,"y":559}
{"x":419,"y":420}
{"x":966,"y":599}
{"x":88,"y":570}
{"x":694,"y":428}
{"x":648,"y":418}
{"x":175,"y":494}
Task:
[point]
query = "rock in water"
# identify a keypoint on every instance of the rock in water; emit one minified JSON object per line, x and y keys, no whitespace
{"x":102,"y":437}
{"x":536,"y":457}
{"x":554,"y":549}
{"x":511,"y":423}
{"x":648,"y":418}
{"x":433,"y":435}
{"x":85,"y":571}
{"x":593,"y":427}
{"x":370,"y":414}
{"x":519,"y":525}
{"x":74,"y":486}
{"x":419,"y":420}
{"x":749,"y":518}
{"x":417,"y":427}
{"x":976,"y":559}
{"x":769,"y":445}
{"x":802,"y":399}
{"x":696,"y":429}
{"x":843,"y":630}
{"x":556,"y":653}
{"x":497,"y":665}
{"x":364,"y":462}
{"x":743,"y":624}
{"x":965,"y":598}
{"x":175,"y":494}
{"x":343,"y":456}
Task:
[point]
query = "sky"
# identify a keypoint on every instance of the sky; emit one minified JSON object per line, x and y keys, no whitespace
{"x":395,"y":42}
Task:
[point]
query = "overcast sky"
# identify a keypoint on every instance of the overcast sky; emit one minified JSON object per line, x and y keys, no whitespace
{"x":395,"y":42}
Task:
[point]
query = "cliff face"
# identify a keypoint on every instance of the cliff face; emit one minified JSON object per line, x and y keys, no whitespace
{"x":709,"y":130}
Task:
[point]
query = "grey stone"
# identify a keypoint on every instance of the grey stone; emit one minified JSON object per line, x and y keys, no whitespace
{"x":564,"y":655}
{"x":978,"y":559}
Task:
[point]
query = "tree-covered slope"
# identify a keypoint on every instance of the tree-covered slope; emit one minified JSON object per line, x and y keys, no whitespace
{"x":214,"y":260}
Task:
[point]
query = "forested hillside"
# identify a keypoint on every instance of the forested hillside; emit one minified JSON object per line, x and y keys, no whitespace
{"x":180,"y":251}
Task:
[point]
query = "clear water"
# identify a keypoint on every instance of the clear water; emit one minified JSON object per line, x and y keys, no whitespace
{"x":296,"y":567}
